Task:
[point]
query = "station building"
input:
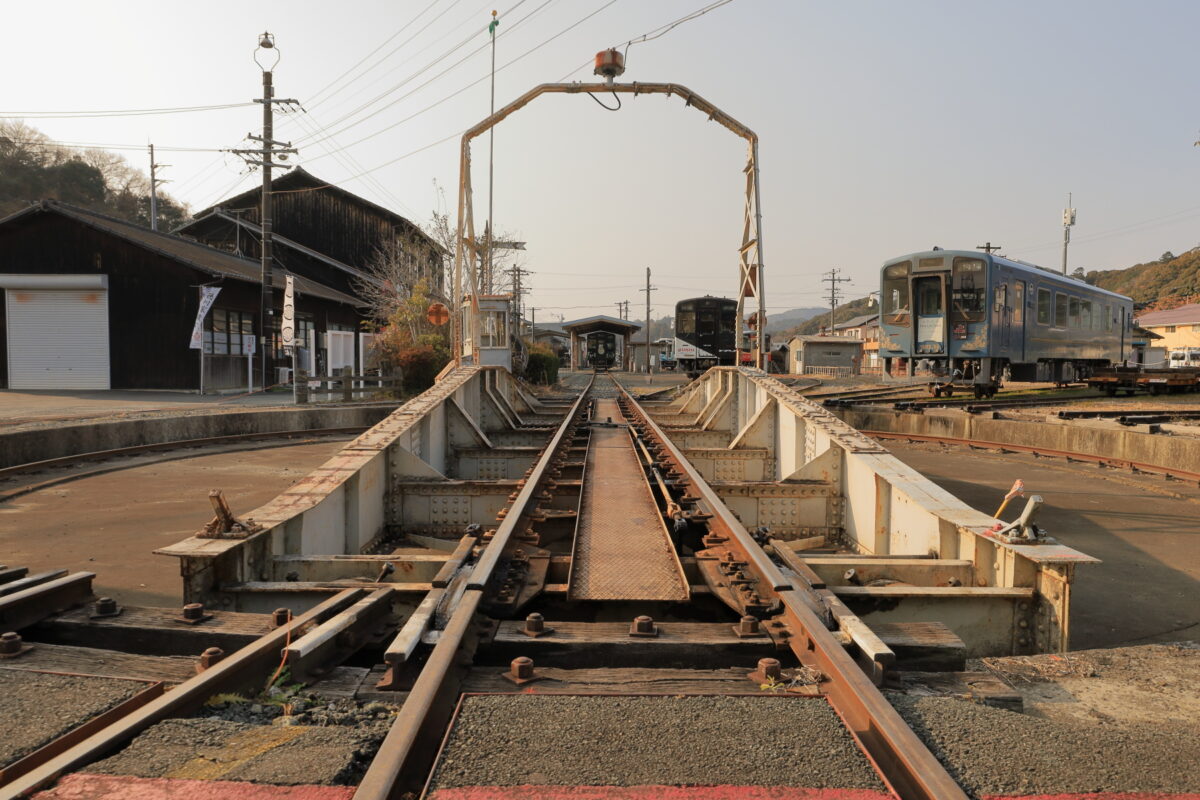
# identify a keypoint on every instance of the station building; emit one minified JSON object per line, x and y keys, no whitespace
{"x":88,"y":301}
{"x":94,"y":302}
{"x":1177,"y":327}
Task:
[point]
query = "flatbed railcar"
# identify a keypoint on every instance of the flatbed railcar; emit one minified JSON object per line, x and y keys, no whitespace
{"x":978,"y":319}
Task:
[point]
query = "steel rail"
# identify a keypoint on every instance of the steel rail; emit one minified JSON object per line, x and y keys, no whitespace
{"x":244,"y":669}
{"x":1108,"y":461}
{"x":904,"y":761}
{"x":403,"y":759}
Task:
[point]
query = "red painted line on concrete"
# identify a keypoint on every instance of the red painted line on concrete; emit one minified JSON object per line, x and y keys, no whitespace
{"x":88,"y":786}
{"x":1097,"y":796}
{"x":654,"y":793}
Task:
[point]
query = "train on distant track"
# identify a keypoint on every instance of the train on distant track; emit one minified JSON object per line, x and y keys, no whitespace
{"x":706,"y":331}
{"x":981,"y":319}
{"x":602,"y":350}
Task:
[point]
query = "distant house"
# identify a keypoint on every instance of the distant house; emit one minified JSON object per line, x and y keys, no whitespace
{"x":1178,"y":327}
{"x":865,"y":328}
{"x":88,"y":301}
{"x":824,"y":355}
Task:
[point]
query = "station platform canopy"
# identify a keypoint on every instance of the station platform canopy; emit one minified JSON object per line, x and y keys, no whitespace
{"x":578,"y":329}
{"x":600,"y":322}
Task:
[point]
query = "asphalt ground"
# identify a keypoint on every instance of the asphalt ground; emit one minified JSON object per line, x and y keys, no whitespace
{"x":110,"y":523}
{"x":1143,"y":528}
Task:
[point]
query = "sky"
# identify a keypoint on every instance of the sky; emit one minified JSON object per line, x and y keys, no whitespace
{"x":885,"y":127}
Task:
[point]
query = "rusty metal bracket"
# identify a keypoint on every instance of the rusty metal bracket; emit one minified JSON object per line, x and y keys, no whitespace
{"x":225,"y":525}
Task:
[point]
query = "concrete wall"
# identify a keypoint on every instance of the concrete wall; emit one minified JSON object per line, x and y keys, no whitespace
{"x":1156,"y":449}
{"x":22,"y":447}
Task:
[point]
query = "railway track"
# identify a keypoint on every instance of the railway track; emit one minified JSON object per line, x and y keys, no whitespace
{"x":972,"y":406}
{"x":565,"y":546}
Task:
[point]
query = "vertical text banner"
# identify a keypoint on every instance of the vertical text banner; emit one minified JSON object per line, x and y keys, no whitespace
{"x":288,"y":326}
{"x":207,"y":295}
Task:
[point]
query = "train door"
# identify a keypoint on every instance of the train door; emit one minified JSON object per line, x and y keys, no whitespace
{"x":1017,"y":345}
{"x":1001,"y":333}
{"x":930,"y":310}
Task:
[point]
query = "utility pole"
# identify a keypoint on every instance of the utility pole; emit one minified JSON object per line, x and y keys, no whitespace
{"x":1068,"y":221}
{"x":495,"y":23}
{"x":265,"y":159}
{"x":154,"y":182}
{"x":516,"y":273}
{"x":648,"y":290}
{"x":988,"y":248}
{"x":833,"y":278}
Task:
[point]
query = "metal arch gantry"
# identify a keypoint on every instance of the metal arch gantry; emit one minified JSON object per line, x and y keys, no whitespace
{"x":750,"y":284}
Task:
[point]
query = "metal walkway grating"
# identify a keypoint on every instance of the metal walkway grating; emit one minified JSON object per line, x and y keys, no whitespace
{"x":623,"y":550}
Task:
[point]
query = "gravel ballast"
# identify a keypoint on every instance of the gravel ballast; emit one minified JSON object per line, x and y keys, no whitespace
{"x":515,"y":740}
{"x":993,"y":751}
{"x":39,"y":707}
{"x":281,"y":754}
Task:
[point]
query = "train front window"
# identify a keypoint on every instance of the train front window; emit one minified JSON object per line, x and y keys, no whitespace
{"x":929,"y":297}
{"x":967,"y":300}
{"x":685,"y":320}
{"x":895,"y":293}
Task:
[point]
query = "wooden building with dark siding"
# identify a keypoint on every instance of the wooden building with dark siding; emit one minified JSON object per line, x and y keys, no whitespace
{"x":320,"y":231}
{"x":89,"y":301}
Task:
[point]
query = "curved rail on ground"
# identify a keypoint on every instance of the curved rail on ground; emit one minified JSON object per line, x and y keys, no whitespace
{"x":901,"y":757}
{"x":120,"y":452}
{"x":1107,"y":461}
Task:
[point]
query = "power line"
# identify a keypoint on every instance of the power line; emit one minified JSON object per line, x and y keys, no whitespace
{"x":314,"y":98}
{"x":424,"y":69}
{"x":107,"y":146}
{"x":655,"y":33}
{"x":127,"y":112}
{"x":474,"y":83}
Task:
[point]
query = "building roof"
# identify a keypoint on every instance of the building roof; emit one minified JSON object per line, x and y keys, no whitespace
{"x":299,"y":179}
{"x":1184,"y":315}
{"x":600,"y":322}
{"x":186,"y":251}
{"x":811,"y":339}
{"x":854,"y":322}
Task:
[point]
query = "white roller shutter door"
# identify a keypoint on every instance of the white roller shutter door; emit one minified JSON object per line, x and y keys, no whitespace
{"x":57,"y":338}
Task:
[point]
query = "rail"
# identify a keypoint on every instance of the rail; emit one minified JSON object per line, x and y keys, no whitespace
{"x":904,"y":760}
{"x":410,"y":745}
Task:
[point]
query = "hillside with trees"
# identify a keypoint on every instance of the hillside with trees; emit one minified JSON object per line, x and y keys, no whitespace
{"x":846,"y":311}
{"x":1168,"y":282}
{"x":34,"y":168}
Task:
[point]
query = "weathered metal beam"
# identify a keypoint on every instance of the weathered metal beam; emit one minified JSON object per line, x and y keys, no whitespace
{"x":24,"y":608}
{"x":246,"y":668}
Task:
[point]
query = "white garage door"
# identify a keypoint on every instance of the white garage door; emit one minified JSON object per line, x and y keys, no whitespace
{"x":57,"y":338}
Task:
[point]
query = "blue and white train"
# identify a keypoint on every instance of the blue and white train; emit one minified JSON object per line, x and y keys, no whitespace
{"x":983,"y":319}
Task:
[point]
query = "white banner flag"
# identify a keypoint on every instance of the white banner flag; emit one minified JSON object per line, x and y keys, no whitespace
{"x":288,"y":326}
{"x":207,"y":295}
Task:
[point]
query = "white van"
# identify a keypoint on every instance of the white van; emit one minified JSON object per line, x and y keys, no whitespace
{"x":1185,"y":357}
